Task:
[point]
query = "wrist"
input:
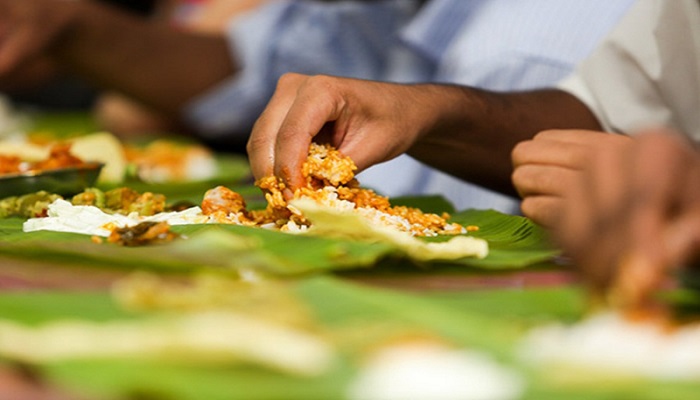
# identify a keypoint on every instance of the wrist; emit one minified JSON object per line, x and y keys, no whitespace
{"x":441,"y":111}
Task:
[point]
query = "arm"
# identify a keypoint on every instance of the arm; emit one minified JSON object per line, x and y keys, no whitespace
{"x":152,"y":62}
{"x":464,"y":131}
{"x":477,"y":130}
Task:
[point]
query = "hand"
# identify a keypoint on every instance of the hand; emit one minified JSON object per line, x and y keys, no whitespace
{"x":29,"y":29}
{"x":632,"y":215}
{"x":546,"y":167}
{"x":370,"y":122}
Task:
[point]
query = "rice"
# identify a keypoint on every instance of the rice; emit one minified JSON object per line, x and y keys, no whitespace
{"x":612,"y":343}
{"x":435,"y":372}
{"x":330,"y":181}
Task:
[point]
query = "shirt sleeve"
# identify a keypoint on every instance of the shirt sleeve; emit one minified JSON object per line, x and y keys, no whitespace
{"x":345,"y":39}
{"x":646,"y":73}
{"x":504,"y":45}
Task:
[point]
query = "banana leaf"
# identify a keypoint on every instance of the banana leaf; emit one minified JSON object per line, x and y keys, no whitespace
{"x":515,"y":242}
{"x":62,"y":124}
{"x":491,"y":321}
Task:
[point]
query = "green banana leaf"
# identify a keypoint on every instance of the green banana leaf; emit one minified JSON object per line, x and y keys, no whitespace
{"x":62,"y":124}
{"x":491,"y":321}
{"x":515,"y":243}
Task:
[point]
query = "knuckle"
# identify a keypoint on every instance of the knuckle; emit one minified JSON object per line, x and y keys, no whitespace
{"x":518,"y":176}
{"x":254,"y":144}
{"x":538,"y":210}
{"x":290,"y":132}
{"x":289,"y":79}
{"x":527,"y":179}
{"x":321,"y":83}
{"x":528,"y":206}
{"x":547,"y":133}
{"x":519,"y":153}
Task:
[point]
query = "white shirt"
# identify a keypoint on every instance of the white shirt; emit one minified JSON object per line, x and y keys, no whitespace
{"x":647,"y":72}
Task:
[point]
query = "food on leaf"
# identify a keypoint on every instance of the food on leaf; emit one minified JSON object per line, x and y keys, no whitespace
{"x":209,"y":320}
{"x":105,"y":148}
{"x":330,"y":182}
{"x":331,"y":203}
{"x":60,"y":156}
{"x":170,"y":161}
{"x":150,"y":232}
{"x":613,"y":344}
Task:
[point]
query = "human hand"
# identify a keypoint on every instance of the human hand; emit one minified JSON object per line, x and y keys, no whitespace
{"x":547,"y":166}
{"x":632,"y":215}
{"x":29,"y":29}
{"x":370,"y":122}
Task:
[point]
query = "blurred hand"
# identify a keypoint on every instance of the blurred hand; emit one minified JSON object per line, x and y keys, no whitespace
{"x":632,"y":214}
{"x":547,"y":166}
{"x":28,"y":30}
{"x":370,"y":122}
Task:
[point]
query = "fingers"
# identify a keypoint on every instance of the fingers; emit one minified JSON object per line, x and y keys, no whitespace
{"x":632,"y":215}
{"x":263,"y":140}
{"x":657,"y":179}
{"x":30,"y":28}
{"x":562,"y":147}
{"x":318,"y":102}
{"x":543,"y":188}
{"x":663,"y":180}
{"x":297,"y":112}
{"x":591,"y":225}
{"x":546,"y":167}
{"x":543,"y":210}
{"x":359,"y":118}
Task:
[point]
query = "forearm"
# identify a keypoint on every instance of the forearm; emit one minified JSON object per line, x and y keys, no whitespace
{"x":151,"y":62}
{"x":475,"y":131}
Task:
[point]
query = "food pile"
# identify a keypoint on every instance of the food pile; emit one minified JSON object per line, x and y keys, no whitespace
{"x":59,"y":156}
{"x":330,"y":181}
{"x":116,"y":201}
{"x":169,"y":161}
{"x":159,"y":161}
{"x":331,"y":204}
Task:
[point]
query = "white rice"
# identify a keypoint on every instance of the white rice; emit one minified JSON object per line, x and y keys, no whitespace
{"x":425,"y":371}
{"x":89,"y":220}
{"x":609,"y":342}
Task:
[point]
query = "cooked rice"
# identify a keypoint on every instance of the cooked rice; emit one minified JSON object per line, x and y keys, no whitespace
{"x":330,"y":181}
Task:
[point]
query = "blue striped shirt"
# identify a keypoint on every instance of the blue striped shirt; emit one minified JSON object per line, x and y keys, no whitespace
{"x":491,"y":44}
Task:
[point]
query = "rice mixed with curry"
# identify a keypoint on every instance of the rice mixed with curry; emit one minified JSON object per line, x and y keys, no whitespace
{"x":330,"y":181}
